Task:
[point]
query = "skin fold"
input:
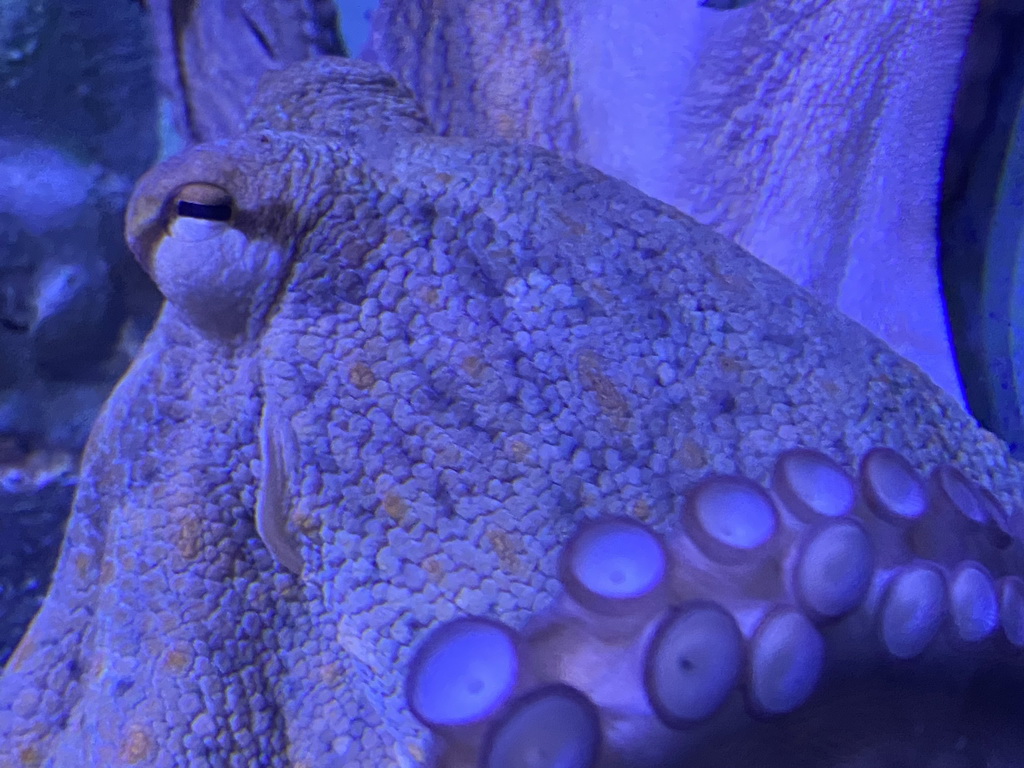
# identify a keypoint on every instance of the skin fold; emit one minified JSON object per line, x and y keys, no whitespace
{"x":416,"y":364}
{"x":810,"y":132}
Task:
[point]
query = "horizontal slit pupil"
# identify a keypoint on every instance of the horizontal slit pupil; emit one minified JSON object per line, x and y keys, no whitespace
{"x":202,"y":211}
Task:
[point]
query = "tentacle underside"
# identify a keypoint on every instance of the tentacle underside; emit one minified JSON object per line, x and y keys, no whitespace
{"x":825,"y":620}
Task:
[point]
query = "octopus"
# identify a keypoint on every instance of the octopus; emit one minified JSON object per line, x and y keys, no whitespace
{"x":811,"y":133}
{"x":454,"y":452}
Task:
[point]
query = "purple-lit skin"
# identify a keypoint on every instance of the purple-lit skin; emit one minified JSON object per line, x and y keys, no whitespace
{"x":423,"y":363}
{"x":809,"y":132}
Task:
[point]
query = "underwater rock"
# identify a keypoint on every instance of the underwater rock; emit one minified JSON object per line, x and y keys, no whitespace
{"x":78,"y":125}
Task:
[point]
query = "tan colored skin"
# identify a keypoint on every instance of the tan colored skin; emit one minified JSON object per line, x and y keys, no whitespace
{"x":385,"y":296}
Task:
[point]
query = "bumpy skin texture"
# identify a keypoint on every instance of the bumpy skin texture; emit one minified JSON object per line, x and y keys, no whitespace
{"x":811,"y":132}
{"x":431,"y":359}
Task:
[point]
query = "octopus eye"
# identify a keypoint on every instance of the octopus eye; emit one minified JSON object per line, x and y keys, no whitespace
{"x":200,"y":211}
{"x":203,"y":211}
{"x":725,"y":5}
{"x":203,"y":201}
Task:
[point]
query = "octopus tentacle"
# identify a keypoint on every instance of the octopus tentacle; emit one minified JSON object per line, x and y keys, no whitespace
{"x":741,"y":611}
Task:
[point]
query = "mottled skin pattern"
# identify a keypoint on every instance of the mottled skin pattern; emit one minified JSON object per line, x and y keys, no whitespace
{"x":462,"y":349}
{"x":809,"y":131}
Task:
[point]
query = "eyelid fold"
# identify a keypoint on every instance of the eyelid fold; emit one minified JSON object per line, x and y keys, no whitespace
{"x":204,"y":176}
{"x":217,"y":227}
{"x":188,"y":228}
{"x":201,"y":200}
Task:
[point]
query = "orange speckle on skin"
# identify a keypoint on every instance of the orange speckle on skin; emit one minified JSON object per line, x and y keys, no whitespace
{"x":520,"y":450}
{"x":641,"y":509}
{"x":97,"y":664}
{"x":107,"y":571}
{"x":507,"y":547}
{"x":361,"y":376}
{"x":82,"y":563}
{"x":30,"y":757}
{"x":730,"y":365}
{"x":729,"y":279}
{"x":691,"y":455}
{"x":433,"y":569}
{"x":592,"y":366}
{"x":305,"y":520}
{"x":177,"y":660}
{"x":473,"y":365}
{"x":331,"y":672}
{"x":189,"y":539}
{"x":137,"y":745}
{"x":417,"y":752}
{"x":395,"y":506}
{"x":574,"y":226}
{"x":598,"y":290}
{"x":429,"y":296}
